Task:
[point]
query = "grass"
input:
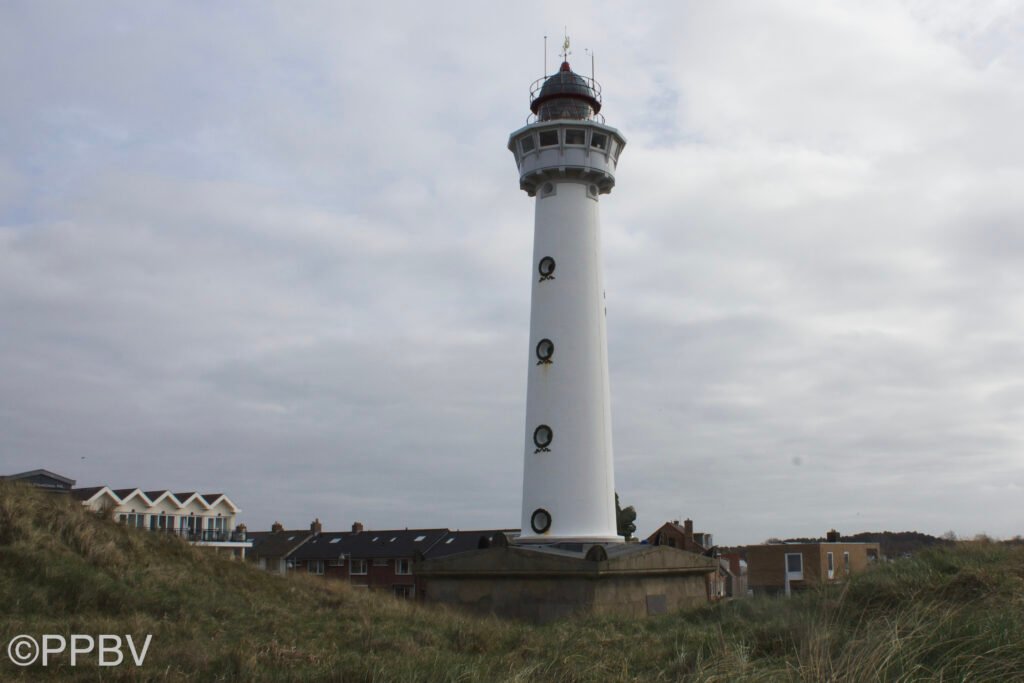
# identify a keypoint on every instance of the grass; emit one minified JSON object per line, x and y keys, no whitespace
{"x":950,"y":614}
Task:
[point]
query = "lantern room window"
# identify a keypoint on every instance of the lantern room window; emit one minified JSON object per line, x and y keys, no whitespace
{"x":526,"y":144}
{"x":575,"y":136}
{"x":549,"y":138}
{"x":599,"y":141}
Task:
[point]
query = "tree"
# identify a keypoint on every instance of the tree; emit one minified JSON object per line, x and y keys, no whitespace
{"x":625,"y":518}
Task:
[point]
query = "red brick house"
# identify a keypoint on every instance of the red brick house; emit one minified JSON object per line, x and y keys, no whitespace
{"x":380,"y":560}
{"x":682,"y":536}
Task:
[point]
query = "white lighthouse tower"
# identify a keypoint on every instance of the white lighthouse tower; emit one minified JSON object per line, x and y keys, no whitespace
{"x":566,"y":157}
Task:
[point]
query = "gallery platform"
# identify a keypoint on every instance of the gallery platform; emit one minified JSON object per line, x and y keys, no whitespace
{"x":542,"y":583}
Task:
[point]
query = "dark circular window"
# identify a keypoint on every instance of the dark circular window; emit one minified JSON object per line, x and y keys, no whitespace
{"x":546,"y":267}
{"x":548,"y":188}
{"x":542,"y":437}
{"x":540,"y":520}
{"x":593,"y":190}
{"x":545,"y":349}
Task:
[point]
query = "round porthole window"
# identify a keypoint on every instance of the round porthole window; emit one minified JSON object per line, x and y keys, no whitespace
{"x":548,"y":188}
{"x":547,"y":268}
{"x":542,"y":437}
{"x":593,"y":190}
{"x":545,"y":350}
{"x":540,"y":521}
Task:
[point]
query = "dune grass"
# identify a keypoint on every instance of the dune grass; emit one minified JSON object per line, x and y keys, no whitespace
{"x":952,"y":614}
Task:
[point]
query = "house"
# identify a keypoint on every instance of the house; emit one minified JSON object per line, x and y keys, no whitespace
{"x":775,"y":568}
{"x":682,"y":536}
{"x":272,"y":549}
{"x":43,"y":479}
{"x":206,"y":519}
{"x":737,"y":586}
{"x":380,"y":560}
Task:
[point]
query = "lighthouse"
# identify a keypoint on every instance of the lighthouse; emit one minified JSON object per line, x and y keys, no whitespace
{"x":568,"y":557}
{"x":566,"y":156}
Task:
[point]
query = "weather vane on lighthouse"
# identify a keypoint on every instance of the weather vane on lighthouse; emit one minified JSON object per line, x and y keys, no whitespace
{"x":567,"y":158}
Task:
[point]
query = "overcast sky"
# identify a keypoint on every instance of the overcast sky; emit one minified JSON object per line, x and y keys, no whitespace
{"x":279,"y":251}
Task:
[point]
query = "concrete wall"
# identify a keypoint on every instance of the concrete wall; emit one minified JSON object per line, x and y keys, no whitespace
{"x":545,"y":599}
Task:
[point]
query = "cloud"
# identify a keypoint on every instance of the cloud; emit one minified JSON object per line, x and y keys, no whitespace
{"x":282,"y":253}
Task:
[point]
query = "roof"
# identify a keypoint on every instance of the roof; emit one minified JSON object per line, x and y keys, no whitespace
{"x":276,"y":543}
{"x":462,"y":541}
{"x":329,"y":546}
{"x":207,"y":500}
{"x":565,"y":95}
{"x":86,"y":493}
{"x":393,"y":543}
{"x":367,"y":545}
{"x":68,"y":483}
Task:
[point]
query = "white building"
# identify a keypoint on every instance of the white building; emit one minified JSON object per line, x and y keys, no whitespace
{"x":206,"y":519}
{"x":566,"y":159}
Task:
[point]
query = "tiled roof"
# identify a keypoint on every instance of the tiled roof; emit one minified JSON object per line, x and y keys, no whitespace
{"x":276,"y":543}
{"x":85,"y":493}
{"x":329,"y":546}
{"x":463,"y":541}
{"x":178,"y":498}
{"x":367,"y":545}
{"x":393,"y":543}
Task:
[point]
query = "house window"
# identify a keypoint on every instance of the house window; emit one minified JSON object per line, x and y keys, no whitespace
{"x":405,"y":592}
{"x":358,"y":567}
{"x":846,"y":563}
{"x":403,"y":567}
{"x":379,"y":562}
{"x":831,"y":566}
{"x":795,"y":566}
{"x":122,"y":518}
{"x":315,"y":567}
{"x":548,"y":138}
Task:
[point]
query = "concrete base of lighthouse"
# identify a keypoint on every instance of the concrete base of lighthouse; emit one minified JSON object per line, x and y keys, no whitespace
{"x":544,"y":583}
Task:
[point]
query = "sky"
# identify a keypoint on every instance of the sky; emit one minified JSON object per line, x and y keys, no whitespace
{"x":278,"y":250}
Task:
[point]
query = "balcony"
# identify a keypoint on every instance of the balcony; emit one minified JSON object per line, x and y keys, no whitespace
{"x":200,"y":535}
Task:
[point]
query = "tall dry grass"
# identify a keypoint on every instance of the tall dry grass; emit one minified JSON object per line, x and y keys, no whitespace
{"x":947,"y":615}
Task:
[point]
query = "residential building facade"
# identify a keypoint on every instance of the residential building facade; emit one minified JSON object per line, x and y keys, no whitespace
{"x":775,"y":568}
{"x":206,"y":519}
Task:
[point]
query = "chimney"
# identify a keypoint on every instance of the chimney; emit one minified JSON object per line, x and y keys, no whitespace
{"x":315,"y":526}
{"x":357,"y":527}
{"x":688,"y":534}
{"x":832,"y":536}
{"x":276,"y":527}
